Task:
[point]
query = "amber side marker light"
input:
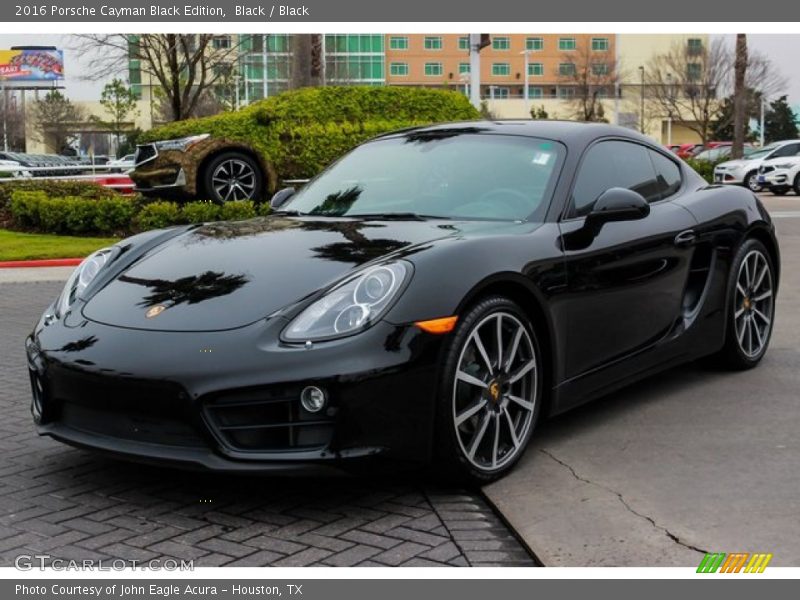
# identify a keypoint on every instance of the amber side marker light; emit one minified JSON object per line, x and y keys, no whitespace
{"x":438,"y":326}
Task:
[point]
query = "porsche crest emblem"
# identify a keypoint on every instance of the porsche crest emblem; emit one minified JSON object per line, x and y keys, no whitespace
{"x":154,"y":311}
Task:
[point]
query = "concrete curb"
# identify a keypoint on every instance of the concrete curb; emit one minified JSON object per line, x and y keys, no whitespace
{"x":50,"y":262}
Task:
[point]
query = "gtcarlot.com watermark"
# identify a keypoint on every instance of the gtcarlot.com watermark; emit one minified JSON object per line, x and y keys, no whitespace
{"x":30,"y":562}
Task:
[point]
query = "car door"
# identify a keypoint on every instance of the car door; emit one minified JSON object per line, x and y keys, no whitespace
{"x":625,"y":284}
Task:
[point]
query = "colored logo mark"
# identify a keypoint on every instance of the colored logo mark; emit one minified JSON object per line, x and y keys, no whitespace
{"x":736,"y":562}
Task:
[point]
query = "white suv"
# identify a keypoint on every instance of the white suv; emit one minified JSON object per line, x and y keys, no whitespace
{"x":780,"y":175}
{"x":744,"y":171}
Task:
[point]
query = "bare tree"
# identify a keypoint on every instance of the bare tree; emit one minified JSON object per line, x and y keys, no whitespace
{"x":57,"y":120}
{"x":185,"y":66}
{"x":593,"y":76}
{"x":739,"y":95}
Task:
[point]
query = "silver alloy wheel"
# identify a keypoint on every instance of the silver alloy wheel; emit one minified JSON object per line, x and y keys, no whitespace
{"x":753,"y":303}
{"x":495,"y":389}
{"x":752,"y":182}
{"x":234,"y":180}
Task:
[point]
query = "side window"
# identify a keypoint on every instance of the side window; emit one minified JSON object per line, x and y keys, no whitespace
{"x":668,"y":174}
{"x":613,"y":164}
{"x":787,"y":150}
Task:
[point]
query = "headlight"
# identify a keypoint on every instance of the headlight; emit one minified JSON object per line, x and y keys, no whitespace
{"x":81,"y":277}
{"x":181,"y":144}
{"x":784,"y":166}
{"x":352,"y":306}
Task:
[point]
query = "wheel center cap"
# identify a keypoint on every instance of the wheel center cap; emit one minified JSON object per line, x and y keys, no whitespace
{"x":747,"y":304}
{"x":495,"y":391}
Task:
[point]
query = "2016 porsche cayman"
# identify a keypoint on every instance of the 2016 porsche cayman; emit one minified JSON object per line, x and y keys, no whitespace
{"x":431,"y":295}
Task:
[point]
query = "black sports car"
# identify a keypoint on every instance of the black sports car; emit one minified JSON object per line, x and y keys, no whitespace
{"x":431,"y":295}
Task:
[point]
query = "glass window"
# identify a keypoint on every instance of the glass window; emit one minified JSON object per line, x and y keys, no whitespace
{"x":787,"y":150}
{"x":599,"y":69}
{"x":433,"y":69}
{"x":534,"y":43}
{"x":695,"y":45}
{"x":694,"y":71}
{"x":460,"y":175}
{"x":433,"y":43}
{"x":499,"y":92}
{"x":566,"y":69}
{"x":397,"y":42}
{"x":566,"y":92}
{"x":399,"y":68}
{"x":535,"y":69}
{"x":221,"y":42}
{"x":668,"y":174}
{"x":501,"y":69}
{"x":535,"y":91}
{"x":566,"y":43}
{"x":501,"y":43}
{"x":613,"y":164}
{"x":463,"y":67}
{"x":600,"y":44}
{"x":463,"y":42}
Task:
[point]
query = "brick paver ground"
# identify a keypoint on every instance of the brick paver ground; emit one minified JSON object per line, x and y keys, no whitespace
{"x":71,"y":504}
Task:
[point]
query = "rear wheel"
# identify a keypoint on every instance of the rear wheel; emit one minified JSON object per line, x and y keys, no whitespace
{"x":797,"y":184}
{"x":779,"y":191}
{"x":751,"y":181}
{"x":232,"y":177}
{"x":751,"y":297}
{"x":491,"y":392}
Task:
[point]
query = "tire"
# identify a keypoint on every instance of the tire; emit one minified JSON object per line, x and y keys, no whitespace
{"x":751,"y":181}
{"x":779,"y":191}
{"x":797,"y":184}
{"x":485,"y":415}
{"x":751,"y":306}
{"x":233,"y":176}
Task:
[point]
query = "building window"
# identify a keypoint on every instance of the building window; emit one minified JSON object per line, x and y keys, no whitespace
{"x":463,"y":42}
{"x":220,"y":42}
{"x":399,"y":69}
{"x":599,"y":69}
{"x":600,"y":44}
{"x":433,"y":69}
{"x":501,"y":69}
{"x":695,"y":46}
{"x":534,"y":91}
{"x":498,"y":92}
{"x":694,"y":71}
{"x":535,"y":69}
{"x":433,"y":43}
{"x":566,"y":92}
{"x":501,"y":43}
{"x":398,"y":42}
{"x":534,"y":43}
{"x":463,"y":68}
{"x":566,"y":69}
{"x":566,"y":43}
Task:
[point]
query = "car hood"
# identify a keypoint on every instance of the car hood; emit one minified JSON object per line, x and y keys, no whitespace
{"x":229,"y":274}
{"x":739,"y":162}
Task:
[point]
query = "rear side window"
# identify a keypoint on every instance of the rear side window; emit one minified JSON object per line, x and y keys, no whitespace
{"x":668,"y":174}
{"x":614,"y":164}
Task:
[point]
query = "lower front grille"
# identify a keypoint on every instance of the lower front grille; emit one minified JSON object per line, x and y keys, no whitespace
{"x":267,"y":420}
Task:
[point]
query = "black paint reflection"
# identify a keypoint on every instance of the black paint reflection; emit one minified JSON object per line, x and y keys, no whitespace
{"x":81,"y":344}
{"x":187,"y":290}
{"x":358,"y":248}
{"x":338,"y":203}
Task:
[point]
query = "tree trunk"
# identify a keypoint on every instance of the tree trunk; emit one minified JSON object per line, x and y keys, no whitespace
{"x":306,"y":60}
{"x":739,"y":96}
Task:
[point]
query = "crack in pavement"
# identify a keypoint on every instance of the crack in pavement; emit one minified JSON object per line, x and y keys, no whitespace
{"x":624,"y":503}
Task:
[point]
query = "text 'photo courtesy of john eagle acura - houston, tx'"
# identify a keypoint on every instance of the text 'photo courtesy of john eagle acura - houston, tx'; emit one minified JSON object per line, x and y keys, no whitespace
{"x":426,"y":299}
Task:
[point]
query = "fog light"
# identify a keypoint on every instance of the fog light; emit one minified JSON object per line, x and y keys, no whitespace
{"x":313,"y":399}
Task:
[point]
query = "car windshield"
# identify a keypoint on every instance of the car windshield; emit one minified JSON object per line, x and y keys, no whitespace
{"x":763,"y":152}
{"x":438,"y":174}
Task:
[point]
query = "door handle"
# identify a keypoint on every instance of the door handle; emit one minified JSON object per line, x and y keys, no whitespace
{"x":685,"y":238}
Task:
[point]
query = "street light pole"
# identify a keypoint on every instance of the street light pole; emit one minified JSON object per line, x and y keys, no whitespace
{"x":761,"y":124}
{"x":475,"y":69}
{"x":526,"y":92}
{"x":641,"y":99}
{"x":669,"y":114}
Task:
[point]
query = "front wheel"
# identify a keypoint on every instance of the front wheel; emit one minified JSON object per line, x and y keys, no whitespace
{"x":797,"y":184}
{"x":232,"y":177}
{"x":751,"y":181}
{"x":491,"y":392}
{"x":779,"y":191}
{"x":751,"y":297}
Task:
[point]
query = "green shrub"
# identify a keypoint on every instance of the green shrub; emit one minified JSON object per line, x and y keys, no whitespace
{"x":53,"y":214}
{"x":53,"y":188}
{"x":114,"y":215}
{"x":157,"y":215}
{"x":237,"y":211}
{"x":80,"y":214}
{"x":200,"y":212}
{"x":301,"y":131}
{"x":704,"y":168}
{"x":25,"y":207}
{"x":263,"y":209}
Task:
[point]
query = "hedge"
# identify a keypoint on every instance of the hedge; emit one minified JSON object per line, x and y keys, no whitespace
{"x":301,"y":131}
{"x":53,"y":188}
{"x":119,"y":216}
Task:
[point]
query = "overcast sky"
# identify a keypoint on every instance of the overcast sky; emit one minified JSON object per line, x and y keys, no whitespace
{"x":783,"y":50}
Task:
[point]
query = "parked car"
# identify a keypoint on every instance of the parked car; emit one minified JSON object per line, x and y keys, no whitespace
{"x":12,"y":169}
{"x":431,"y":295}
{"x":721,"y":152}
{"x":122,"y":165}
{"x":688,"y":150}
{"x":245,"y":155}
{"x":780,"y":175}
{"x":50,"y":164}
{"x":744,"y":171}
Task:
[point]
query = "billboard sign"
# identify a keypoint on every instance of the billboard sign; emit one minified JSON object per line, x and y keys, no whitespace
{"x":31,"y":65}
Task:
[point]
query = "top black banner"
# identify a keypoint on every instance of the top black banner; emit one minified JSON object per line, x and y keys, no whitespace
{"x":348,"y":11}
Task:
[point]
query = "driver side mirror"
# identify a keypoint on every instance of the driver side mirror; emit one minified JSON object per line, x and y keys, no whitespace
{"x":281,"y":197}
{"x":618,"y":204}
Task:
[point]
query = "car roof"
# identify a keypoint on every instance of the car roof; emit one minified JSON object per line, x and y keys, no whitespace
{"x":568,"y":132}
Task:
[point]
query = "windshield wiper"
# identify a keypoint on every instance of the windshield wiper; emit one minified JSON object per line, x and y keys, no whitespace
{"x":287,"y":213}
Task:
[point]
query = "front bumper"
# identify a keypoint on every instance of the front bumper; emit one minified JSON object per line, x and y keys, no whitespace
{"x":229,"y":400}
{"x":169,"y":172}
{"x":777,"y":179}
{"x":731,"y":177}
